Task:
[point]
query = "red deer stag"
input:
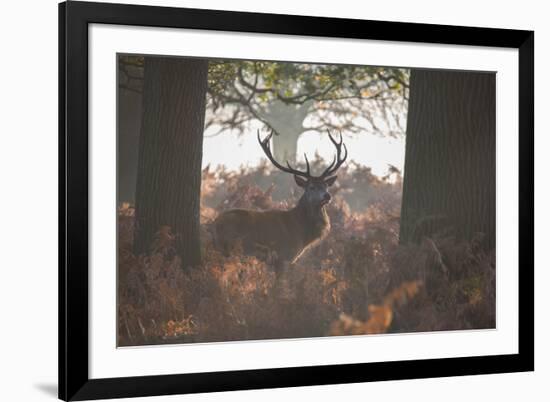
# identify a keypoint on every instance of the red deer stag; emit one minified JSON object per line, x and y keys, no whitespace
{"x":286,"y":234}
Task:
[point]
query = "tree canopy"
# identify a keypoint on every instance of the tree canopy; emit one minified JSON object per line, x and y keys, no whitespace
{"x":333,"y":95}
{"x":292,"y":98}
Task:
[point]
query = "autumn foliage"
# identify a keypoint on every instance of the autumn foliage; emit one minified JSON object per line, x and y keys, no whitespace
{"x":359,"y":280}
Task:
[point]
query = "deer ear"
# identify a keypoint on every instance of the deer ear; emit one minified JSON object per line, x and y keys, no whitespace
{"x":301,"y":182}
{"x":330,"y":181}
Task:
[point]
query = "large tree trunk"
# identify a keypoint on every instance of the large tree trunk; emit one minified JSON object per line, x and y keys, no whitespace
{"x":129,"y":120}
{"x":170,"y":154}
{"x":449,"y":181}
{"x":288,"y":123}
{"x":285,"y":145}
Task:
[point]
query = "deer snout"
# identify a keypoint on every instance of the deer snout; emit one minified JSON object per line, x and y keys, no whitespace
{"x":326,"y":198}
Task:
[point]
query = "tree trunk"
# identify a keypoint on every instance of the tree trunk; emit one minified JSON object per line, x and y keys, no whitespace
{"x":129,"y":120}
{"x":285,"y":146}
{"x":288,"y":122}
{"x":450,"y":180}
{"x":170,"y":154}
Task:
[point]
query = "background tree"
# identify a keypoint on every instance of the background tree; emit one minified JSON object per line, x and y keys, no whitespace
{"x":130,"y":80}
{"x":129,"y":119}
{"x":449,"y":180}
{"x":292,"y":98}
{"x":170,"y":154}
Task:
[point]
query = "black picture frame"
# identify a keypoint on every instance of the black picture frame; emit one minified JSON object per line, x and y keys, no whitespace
{"x":74,"y":381}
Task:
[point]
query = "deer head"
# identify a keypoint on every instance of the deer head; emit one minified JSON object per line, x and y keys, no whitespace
{"x":316,"y":194}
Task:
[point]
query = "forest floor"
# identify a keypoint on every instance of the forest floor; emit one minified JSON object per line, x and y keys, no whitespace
{"x":358,"y":280}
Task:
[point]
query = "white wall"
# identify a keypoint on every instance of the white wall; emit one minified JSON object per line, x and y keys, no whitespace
{"x":28,"y":211}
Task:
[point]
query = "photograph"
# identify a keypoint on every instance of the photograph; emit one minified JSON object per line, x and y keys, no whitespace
{"x":261,"y":199}
{"x":244,"y":201}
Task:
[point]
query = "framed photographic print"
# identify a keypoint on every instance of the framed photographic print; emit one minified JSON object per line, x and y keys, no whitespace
{"x":257,"y":200}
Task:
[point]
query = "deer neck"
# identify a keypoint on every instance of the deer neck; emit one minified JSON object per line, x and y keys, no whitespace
{"x":314,"y":220}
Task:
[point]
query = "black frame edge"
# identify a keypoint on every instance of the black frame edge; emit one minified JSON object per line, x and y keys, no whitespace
{"x":526,"y":263}
{"x":264,"y":23}
{"x":74,"y":17}
{"x":73,"y":266}
{"x":126,"y":387}
{"x":62,"y":333}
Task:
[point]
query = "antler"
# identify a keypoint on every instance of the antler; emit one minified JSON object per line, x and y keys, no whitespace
{"x":331,"y":169}
{"x":338,"y":160}
{"x":289,"y":169}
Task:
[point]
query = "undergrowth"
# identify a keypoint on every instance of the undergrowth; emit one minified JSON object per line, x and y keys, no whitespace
{"x":358,"y":280}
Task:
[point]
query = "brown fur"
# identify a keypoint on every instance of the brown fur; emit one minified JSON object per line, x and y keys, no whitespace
{"x":287,"y":234}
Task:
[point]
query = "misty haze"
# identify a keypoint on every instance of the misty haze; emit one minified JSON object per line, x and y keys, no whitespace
{"x":272,"y":200}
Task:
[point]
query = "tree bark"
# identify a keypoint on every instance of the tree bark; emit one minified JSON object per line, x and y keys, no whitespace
{"x":285,"y":146}
{"x":129,"y":120}
{"x":170,"y":154}
{"x":288,"y":122}
{"x":450,"y":179}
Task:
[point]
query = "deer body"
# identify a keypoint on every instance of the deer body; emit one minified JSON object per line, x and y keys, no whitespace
{"x":288,"y":234}
{"x":285,"y":235}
